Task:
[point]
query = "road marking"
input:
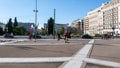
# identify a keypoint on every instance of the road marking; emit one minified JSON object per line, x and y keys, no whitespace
{"x":77,"y":60}
{"x":102,"y":62}
{"x":34,"y":60}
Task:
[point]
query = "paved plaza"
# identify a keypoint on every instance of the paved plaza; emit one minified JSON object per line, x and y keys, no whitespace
{"x":105,"y":50}
{"x":50,"y":53}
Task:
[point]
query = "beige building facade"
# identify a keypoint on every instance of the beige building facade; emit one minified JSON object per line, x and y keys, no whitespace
{"x":95,"y":21}
{"x":86,"y":25}
{"x":105,"y":19}
{"x":78,"y":24}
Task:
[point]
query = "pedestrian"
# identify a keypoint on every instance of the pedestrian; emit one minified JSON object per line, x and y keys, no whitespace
{"x":30,"y":36}
{"x":58,"y":34}
{"x":67,"y":35}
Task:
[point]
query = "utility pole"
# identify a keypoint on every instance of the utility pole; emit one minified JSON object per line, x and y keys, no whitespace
{"x":54,"y":23}
{"x":36,"y":11}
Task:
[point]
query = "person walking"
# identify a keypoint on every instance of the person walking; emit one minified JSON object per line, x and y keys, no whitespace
{"x":30,"y":36}
{"x":67,"y":36}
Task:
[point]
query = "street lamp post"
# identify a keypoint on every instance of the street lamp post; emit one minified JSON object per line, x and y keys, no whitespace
{"x":36,"y":11}
{"x":54,"y":24}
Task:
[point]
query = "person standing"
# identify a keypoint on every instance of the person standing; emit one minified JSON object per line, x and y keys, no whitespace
{"x":58,"y":34}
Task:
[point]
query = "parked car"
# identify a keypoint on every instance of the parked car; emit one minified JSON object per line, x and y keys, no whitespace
{"x":7,"y":35}
{"x":37,"y":36}
{"x":87,"y":36}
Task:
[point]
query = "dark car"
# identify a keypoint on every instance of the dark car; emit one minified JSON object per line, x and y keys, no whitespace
{"x":87,"y":36}
{"x":7,"y":35}
{"x":37,"y":36}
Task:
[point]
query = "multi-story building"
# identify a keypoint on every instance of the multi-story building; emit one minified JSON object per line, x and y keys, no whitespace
{"x":95,"y":19}
{"x":2,"y":25}
{"x":111,"y":12}
{"x":86,"y":25}
{"x":105,"y":19}
{"x":26,"y":25}
{"x":78,"y":24}
{"x":75,"y":23}
{"x":57,"y":26}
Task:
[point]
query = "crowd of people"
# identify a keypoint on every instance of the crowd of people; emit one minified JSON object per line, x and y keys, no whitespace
{"x":67,"y":36}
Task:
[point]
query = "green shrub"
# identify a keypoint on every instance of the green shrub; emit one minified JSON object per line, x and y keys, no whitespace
{"x":97,"y":35}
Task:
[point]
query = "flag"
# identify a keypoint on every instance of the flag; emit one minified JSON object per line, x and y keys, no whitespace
{"x":31,"y":27}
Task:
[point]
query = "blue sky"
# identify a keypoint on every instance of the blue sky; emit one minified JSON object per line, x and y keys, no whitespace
{"x":66,"y":10}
